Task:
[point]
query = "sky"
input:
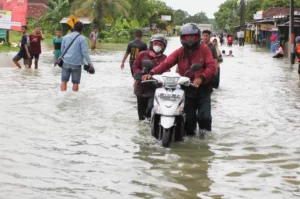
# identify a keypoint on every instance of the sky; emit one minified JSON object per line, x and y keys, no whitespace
{"x":195,"y":6}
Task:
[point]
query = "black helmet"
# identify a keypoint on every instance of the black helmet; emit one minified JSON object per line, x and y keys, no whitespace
{"x":190,"y":29}
{"x":161,"y":38}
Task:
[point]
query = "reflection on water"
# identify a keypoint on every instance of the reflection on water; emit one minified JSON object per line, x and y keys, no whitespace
{"x":90,"y":144}
{"x":185,"y":165}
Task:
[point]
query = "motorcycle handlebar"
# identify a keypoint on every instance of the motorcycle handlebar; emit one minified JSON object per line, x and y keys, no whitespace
{"x":150,"y":80}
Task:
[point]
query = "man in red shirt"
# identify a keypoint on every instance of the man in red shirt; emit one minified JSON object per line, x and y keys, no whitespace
{"x":197,"y":101}
{"x":35,"y":46}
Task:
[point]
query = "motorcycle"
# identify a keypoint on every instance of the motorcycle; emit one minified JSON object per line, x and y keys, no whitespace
{"x":167,"y":115}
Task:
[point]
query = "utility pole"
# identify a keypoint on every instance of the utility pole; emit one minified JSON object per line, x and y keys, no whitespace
{"x":241,"y":33}
{"x":292,"y":33}
{"x":242,"y":22}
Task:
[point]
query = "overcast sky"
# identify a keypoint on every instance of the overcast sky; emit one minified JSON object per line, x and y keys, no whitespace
{"x":195,"y":6}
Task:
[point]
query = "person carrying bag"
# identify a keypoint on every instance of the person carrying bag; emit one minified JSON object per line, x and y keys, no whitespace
{"x":73,"y":58}
{"x":60,"y":60}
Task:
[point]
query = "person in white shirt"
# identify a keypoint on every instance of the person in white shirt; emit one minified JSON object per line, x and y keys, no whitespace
{"x":279,"y":52}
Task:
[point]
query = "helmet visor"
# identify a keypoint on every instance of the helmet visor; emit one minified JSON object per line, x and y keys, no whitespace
{"x":190,"y":37}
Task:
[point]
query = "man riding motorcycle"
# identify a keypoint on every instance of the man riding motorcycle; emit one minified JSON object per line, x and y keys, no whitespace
{"x":145,"y":91}
{"x":197,"y":101}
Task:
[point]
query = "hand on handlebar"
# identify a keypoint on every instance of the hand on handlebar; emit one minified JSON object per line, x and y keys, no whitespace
{"x":146,"y":77}
{"x":197,"y":82}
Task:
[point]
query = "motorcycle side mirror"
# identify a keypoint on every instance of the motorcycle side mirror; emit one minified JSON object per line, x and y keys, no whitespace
{"x":148,"y":65}
{"x":196,"y":67}
{"x":138,"y":76}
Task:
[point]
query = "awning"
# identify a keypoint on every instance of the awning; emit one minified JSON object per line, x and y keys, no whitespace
{"x":266,"y":21}
{"x":296,"y":24}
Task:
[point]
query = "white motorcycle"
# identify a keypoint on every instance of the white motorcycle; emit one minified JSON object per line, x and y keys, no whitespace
{"x":167,"y":116}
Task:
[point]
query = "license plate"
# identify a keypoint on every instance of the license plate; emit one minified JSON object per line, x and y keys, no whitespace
{"x":170,"y":97}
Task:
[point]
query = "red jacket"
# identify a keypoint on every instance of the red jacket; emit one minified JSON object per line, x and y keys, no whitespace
{"x":146,"y":89}
{"x":201,"y":55}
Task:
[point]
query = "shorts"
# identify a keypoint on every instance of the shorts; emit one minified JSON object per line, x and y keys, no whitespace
{"x":68,"y":70}
{"x":18,"y":58}
{"x":35,"y":56}
{"x":299,"y":69}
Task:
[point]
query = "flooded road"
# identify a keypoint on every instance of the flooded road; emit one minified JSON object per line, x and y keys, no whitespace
{"x":90,"y":145}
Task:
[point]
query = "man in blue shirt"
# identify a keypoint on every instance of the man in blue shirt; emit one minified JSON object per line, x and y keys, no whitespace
{"x":74,"y":58}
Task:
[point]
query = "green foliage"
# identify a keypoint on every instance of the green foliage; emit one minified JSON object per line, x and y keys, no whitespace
{"x":199,"y":18}
{"x":182,"y":17}
{"x":121,"y":31}
{"x":229,"y":11}
{"x":6,"y":44}
{"x":162,"y":25}
{"x":31,"y":22}
{"x":228,"y":14}
{"x":278,"y":3}
{"x":122,"y":16}
{"x":252,"y":7}
{"x":97,"y":10}
{"x":56,"y":10}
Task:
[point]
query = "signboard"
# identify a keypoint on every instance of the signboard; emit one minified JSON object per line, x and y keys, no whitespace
{"x":241,"y":34}
{"x":166,"y":17}
{"x":72,"y":21}
{"x":266,"y":27}
{"x":13,"y":14}
{"x":257,"y":16}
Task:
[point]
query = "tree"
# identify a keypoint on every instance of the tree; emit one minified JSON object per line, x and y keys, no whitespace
{"x":252,"y":7}
{"x":228,"y":14}
{"x":56,"y":10}
{"x":197,"y":18}
{"x":278,"y":3}
{"x":180,"y":16}
{"x":155,"y":9}
{"x":97,"y":10}
{"x":139,"y":6}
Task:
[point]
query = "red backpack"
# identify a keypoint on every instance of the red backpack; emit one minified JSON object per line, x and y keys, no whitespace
{"x":230,"y":39}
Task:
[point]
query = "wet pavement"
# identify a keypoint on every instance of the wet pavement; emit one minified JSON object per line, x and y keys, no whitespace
{"x":90,"y":145}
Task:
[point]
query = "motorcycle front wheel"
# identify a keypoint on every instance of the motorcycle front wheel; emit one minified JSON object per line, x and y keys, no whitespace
{"x":166,"y":137}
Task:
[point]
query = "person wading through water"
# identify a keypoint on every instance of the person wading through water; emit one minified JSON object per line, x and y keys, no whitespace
{"x":133,"y":49}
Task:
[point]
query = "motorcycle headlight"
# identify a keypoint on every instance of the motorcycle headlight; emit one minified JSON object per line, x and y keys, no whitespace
{"x":171,"y":81}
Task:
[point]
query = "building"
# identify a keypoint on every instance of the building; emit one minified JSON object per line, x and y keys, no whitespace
{"x":205,"y":27}
{"x":36,"y":8}
{"x":273,"y":23}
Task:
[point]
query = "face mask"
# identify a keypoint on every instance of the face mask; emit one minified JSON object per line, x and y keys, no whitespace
{"x":157,"y":49}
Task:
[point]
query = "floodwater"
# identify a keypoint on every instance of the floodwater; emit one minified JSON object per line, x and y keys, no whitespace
{"x":90,"y":145}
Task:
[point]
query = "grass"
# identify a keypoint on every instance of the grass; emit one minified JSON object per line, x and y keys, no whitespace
{"x":5,"y":48}
{"x":112,"y":46}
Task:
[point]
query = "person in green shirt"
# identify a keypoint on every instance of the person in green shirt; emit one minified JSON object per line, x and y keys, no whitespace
{"x":57,"y":44}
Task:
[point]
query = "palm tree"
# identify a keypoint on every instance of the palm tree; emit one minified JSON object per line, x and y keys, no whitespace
{"x":98,"y":9}
{"x":56,"y":10}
